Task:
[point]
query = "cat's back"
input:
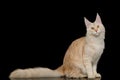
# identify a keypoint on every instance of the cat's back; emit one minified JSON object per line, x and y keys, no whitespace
{"x":78,"y":41}
{"x":75,"y":50}
{"x":77,"y":44}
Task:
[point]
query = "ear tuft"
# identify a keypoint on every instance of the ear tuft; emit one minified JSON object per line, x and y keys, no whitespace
{"x":87,"y":22}
{"x":98,"y":19}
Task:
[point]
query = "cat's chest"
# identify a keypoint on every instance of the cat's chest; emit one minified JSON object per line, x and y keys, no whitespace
{"x":97,"y":45}
{"x":96,"y":48}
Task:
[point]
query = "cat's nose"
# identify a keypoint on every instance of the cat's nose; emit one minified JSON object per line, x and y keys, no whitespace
{"x":96,"y":30}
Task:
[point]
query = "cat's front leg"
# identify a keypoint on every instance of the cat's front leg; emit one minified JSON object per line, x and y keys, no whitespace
{"x":95,"y":71}
{"x":89,"y":68}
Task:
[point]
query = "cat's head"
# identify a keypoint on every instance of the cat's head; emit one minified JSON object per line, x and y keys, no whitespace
{"x":94,"y":28}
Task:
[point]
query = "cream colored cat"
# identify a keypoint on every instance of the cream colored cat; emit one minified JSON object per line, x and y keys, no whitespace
{"x":80,"y":59}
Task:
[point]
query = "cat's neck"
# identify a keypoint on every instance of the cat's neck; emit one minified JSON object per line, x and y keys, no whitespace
{"x":92,"y":38}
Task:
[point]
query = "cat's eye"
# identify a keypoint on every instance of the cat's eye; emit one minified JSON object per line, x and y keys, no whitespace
{"x":92,"y":27}
{"x":97,"y":26}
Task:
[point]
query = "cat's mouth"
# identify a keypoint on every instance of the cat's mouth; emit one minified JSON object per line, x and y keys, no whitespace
{"x":96,"y":34}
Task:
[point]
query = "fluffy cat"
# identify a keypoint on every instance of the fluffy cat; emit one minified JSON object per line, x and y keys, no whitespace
{"x":81,"y":57}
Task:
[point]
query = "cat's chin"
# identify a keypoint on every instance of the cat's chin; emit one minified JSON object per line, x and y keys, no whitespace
{"x":96,"y":34}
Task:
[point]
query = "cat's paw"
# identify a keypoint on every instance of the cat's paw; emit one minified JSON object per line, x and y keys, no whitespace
{"x":91,"y":76}
{"x":76,"y":76}
{"x":83,"y":76}
{"x":97,"y":75}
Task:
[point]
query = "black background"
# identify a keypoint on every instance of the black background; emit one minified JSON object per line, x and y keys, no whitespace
{"x":37,"y":34}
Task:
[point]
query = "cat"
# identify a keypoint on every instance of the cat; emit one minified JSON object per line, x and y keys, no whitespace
{"x":81,"y":57}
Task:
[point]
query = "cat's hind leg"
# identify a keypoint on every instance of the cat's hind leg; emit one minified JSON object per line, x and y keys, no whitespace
{"x":75,"y":72}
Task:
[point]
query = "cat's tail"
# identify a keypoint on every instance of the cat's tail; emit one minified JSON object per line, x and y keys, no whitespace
{"x":35,"y":73}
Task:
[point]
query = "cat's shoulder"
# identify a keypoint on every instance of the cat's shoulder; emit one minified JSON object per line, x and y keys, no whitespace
{"x":79,"y":40}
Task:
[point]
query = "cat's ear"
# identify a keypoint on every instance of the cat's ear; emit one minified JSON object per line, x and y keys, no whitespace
{"x":87,"y":22}
{"x":98,"y":19}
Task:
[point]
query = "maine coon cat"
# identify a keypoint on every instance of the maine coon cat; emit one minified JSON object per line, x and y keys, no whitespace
{"x":81,"y":57}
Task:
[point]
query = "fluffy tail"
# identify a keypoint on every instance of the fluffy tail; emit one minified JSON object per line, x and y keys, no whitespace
{"x":35,"y":73}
